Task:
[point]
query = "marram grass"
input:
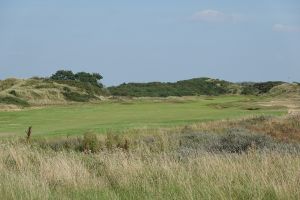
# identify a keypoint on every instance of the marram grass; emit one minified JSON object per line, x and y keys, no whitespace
{"x":28,"y":172}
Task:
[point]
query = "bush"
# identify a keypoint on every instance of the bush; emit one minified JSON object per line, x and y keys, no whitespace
{"x":249,"y":90}
{"x":84,"y":77}
{"x":63,"y":75}
{"x":238,"y":142}
{"x":91,"y":143}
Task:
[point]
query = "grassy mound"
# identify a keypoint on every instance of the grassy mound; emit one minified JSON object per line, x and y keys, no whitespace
{"x":286,"y":89}
{"x":39,"y":91}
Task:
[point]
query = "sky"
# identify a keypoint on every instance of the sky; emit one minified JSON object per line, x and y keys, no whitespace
{"x":142,"y":41}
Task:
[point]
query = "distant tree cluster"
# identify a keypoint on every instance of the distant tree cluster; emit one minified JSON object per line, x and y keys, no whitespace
{"x":84,"y":77}
{"x":259,"y":88}
{"x":192,"y":87}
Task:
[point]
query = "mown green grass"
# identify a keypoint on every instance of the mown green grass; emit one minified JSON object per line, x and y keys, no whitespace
{"x":107,"y":116}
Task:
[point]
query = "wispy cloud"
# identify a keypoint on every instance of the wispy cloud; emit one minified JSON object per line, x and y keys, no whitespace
{"x":214,"y":16}
{"x":285,"y":28}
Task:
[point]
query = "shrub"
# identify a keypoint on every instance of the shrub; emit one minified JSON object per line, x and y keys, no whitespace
{"x":249,"y":90}
{"x":238,"y":142}
{"x":84,"y":77}
{"x":91,"y":143}
{"x":259,"y":88}
{"x":63,"y":75}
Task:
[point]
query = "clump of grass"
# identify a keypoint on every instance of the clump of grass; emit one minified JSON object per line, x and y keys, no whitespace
{"x":8,"y":83}
{"x":75,"y":96}
{"x":13,"y":92}
{"x":14,"y":101}
{"x":116,"y":141}
{"x":91,"y":143}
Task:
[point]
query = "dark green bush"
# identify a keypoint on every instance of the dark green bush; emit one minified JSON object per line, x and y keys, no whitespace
{"x":83,"y":77}
{"x":63,"y":75}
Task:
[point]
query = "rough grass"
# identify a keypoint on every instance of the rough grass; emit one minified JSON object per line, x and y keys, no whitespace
{"x":39,"y":92}
{"x":28,"y":172}
{"x":222,"y":161}
{"x":14,"y":101}
{"x":286,"y":129}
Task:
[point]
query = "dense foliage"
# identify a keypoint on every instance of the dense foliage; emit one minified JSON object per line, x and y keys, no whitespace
{"x":259,"y":88}
{"x":192,"y":87}
{"x":89,"y":83}
{"x":84,"y":77}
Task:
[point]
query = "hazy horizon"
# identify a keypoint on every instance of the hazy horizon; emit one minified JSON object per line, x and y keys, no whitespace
{"x":152,"y":41}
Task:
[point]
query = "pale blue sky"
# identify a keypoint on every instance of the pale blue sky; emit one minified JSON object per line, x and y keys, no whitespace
{"x":140,"y":41}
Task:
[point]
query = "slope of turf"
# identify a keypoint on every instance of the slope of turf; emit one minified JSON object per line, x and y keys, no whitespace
{"x":101,"y":117}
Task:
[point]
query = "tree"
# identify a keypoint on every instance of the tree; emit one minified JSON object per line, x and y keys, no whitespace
{"x":83,"y":77}
{"x":63,"y":75}
{"x":93,"y":78}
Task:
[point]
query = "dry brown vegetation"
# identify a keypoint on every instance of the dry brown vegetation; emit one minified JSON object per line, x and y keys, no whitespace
{"x":214,"y":160}
{"x":29,"y":173}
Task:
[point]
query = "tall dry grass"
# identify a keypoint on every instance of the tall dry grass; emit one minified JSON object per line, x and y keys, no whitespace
{"x":27,"y":172}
